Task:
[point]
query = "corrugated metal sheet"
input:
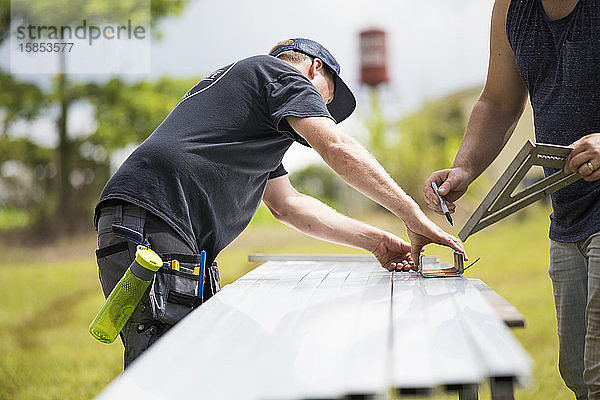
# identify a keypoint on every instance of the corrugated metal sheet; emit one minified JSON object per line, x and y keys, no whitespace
{"x":305,"y":329}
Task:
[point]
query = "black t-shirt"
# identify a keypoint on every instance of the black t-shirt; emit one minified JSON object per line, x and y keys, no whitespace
{"x":205,"y":168}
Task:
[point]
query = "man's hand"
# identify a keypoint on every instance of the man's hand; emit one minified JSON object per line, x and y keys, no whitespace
{"x":585,"y":157}
{"x":452,"y":184}
{"x":393,"y":254}
{"x":314,"y":218}
{"x":359,"y":169}
{"x":422,"y":231}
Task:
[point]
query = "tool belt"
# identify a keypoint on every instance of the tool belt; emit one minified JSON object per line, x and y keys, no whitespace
{"x":174,"y":289}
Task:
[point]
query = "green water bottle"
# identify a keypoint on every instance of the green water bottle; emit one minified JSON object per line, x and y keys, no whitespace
{"x":126,"y":295}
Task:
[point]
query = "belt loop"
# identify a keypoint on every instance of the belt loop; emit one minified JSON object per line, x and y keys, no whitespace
{"x":118,"y":214}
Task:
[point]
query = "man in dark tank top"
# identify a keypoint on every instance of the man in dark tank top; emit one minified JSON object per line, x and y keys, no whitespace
{"x":548,"y":50}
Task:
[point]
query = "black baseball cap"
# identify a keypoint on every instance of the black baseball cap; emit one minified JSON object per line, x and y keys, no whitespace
{"x":343,"y":103}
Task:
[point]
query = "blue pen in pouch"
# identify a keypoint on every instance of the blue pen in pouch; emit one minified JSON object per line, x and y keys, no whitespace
{"x":201,"y":274}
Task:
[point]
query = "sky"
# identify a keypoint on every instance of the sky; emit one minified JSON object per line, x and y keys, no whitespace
{"x":435,"y":47}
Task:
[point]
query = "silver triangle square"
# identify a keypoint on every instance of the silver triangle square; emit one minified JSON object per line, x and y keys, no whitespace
{"x":502,"y":201}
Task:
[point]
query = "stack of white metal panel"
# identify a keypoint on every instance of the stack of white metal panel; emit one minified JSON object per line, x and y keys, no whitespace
{"x":308,"y":329}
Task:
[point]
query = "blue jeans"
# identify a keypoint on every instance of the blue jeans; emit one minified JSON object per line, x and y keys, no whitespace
{"x":575,"y":273}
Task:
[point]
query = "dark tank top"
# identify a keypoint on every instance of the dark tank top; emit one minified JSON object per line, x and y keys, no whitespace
{"x":559,"y":61}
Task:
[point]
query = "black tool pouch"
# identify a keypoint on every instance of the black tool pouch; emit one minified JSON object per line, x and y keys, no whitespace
{"x":174,"y":291}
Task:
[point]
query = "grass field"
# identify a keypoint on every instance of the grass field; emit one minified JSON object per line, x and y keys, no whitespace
{"x":49,"y":294}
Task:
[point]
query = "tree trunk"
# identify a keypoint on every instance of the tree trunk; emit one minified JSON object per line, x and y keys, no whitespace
{"x":63,"y":149}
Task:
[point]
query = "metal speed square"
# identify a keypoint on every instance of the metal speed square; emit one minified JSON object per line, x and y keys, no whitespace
{"x":501,"y":202}
{"x":432,"y":267}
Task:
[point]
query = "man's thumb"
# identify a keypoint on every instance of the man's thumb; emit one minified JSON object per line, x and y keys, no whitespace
{"x":415,"y":253}
{"x":444,"y":188}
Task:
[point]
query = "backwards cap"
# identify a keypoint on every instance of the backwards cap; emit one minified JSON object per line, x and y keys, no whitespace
{"x":343,"y":103}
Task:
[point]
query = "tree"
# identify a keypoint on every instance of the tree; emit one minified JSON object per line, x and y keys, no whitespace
{"x":19,"y":100}
{"x":128,"y":113}
{"x":428,"y":141}
{"x":321,"y":182}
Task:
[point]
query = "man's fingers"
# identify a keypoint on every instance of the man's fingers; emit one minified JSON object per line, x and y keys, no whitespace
{"x":576,"y":162}
{"x":403,"y":266}
{"x":400,"y":266}
{"x":584,"y":150}
{"x":447,"y":185}
{"x":433,"y":204}
{"x":579,"y":146}
{"x":584,"y":170}
{"x":591,"y":176}
{"x":444,"y":188}
{"x":455,"y":244}
{"x":568,"y":167}
{"x":430,"y":197}
{"x":586,"y":167}
{"x":440,"y":178}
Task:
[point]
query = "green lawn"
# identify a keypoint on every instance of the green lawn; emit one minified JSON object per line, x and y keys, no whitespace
{"x":48,"y":296}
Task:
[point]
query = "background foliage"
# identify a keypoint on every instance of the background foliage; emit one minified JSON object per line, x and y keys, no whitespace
{"x":57,"y":185}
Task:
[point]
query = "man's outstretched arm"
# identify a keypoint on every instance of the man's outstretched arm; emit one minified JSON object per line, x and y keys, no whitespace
{"x":358,"y":168}
{"x":316,"y":219}
{"x":492,"y":122}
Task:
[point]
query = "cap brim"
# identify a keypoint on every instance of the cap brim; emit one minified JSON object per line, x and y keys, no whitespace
{"x":343,"y":103}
